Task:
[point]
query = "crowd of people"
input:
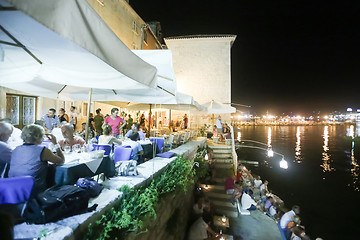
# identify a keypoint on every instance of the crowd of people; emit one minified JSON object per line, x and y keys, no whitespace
{"x":252,"y":193}
{"x":23,"y":152}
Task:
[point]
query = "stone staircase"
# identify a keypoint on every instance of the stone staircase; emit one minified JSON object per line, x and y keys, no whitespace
{"x":222,"y":156}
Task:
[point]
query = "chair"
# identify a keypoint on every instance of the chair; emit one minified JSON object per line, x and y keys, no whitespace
{"x":124,"y":166}
{"x":122,"y":153}
{"x":168,"y":144}
{"x":106,"y":148}
{"x":159,"y":142}
{"x":186,"y":138}
{"x":14,"y":194}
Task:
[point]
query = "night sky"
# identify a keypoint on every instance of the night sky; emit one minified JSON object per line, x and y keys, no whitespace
{"x":289,"y":56}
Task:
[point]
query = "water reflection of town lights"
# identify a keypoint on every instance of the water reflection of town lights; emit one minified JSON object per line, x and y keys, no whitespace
{"x":270,"y":152}
{"x":283,"y":164}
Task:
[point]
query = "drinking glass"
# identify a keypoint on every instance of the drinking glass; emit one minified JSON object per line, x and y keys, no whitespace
{"x":76,"y":148}
{"x":67,"y":149}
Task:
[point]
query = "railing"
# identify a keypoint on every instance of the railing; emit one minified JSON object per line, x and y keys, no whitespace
{"x":234,"y":155}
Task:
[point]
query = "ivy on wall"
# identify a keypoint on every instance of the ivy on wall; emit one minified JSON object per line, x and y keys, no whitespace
{"x":138,"y":205}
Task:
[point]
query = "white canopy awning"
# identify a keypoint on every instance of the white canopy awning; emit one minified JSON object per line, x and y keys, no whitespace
{"x":162,"y":60}
{"x":182,"y":102}
{"x":59,"y":67}
{"x":214,"y":107}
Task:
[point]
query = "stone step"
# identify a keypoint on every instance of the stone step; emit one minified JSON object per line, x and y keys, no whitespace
{"x":218,"y":195}
{"x":222,"y":155}
{"x":224,"y":204}
{"x":219,"y":147}
{"x":223,"y":160}
{"x":224,"y":151}
{"x":223,"y":165}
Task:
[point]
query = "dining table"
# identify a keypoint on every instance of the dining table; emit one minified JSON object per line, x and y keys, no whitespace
{"x":82,"y":165}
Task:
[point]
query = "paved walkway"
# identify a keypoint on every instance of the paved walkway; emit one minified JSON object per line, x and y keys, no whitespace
{"x":256,"y":226}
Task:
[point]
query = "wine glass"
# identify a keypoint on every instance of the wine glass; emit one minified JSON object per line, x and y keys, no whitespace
{"x":67,"y":149}
{"x":76,"y":148}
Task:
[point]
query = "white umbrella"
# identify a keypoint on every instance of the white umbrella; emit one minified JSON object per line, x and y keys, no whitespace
{"x":214,"y":107}
{"x":60,"y":68}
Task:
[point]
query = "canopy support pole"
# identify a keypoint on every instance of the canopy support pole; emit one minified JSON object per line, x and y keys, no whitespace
{"x":87,"y":116}
{"x":149,"y":119}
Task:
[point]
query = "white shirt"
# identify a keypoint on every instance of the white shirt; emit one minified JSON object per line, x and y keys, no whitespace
{"x":247,"y":201}
{"x":286,"y":218}
{"x":257,"y":183}
{"x":272,"y":211}
{"x":198,"y":230}
{"x":73,"y":117}
{"x":15,"y":138}
{"x":263,"y":187}
{"x":198,"y":210}
{"x":218,"y":123}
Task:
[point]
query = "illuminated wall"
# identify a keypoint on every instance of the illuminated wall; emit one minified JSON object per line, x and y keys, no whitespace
{"x":202,"y":66}
{"x":125,"y":23}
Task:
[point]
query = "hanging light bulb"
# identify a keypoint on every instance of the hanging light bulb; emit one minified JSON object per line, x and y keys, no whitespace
{"x":223,"y":219}
{"x":283,"y":164}
{"x":270,"y":152}
{"x":206,"y":187}
{"x":206,"y":157}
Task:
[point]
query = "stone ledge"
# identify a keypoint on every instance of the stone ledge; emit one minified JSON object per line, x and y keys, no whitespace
{"x":75,"y":226}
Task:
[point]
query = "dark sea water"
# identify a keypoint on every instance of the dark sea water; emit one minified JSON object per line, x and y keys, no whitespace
{"x":322,"y":178}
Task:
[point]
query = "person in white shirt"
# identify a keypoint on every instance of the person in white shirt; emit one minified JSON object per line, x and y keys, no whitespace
{"x":200,"y":228}
{"x":287,"y":217}
{"x":6,"y":130}
{"x":257,"y":182}
{"x":135,"y":128}
{"x":247,"y":202}
{"x":15,"y":138}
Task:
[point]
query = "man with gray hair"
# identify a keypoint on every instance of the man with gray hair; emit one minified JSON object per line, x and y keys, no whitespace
{"x":6,"y":130}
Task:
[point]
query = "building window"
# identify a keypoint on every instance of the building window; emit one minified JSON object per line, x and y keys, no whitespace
{"x":134,"y":27}
{"x":21,"y":110}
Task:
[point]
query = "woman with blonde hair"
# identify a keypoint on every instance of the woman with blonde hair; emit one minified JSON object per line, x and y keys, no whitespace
{"x":106,"y":138}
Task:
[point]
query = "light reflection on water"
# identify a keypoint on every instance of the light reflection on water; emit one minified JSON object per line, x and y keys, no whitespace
{"x":298,"y":157}
{"x":325,"y":154}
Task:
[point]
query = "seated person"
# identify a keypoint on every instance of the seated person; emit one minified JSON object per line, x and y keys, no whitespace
{"x":135,"y":128}
{"x":200,"y":205}
{"x":6,"y":130}
{"x":247,"y":202}
{"x":263,"y":188}
{"x":237,"y":194}
{"x":106,"y":138}
{"x":69,"y":138}
{"x":201,"y":230}
{"x":295,"y":222}
{"x":135,"y":146}
{"x":257,"y":182}
{"x":269,"y":202}
{"x":287,"y":217}
{"x":15,"y":138}
{"x":81,"y":132}
{"x":30,"y":159}
{"x":229,"y":185}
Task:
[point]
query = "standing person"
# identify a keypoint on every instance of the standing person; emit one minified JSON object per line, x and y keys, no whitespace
{"x":99,"y":121}
{"x":63,"y":117}
{"x":50,"y":120}
{"x":129,"y":122}
{"x":6,"y":130}
{"x":142,"y":119}
{"x":115,"y":121}
{"x":219,"y":127}
{"x":73,"y":116}
{"x":185,"y":121}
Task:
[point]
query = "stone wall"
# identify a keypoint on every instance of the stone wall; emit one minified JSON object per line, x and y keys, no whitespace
{"x":172,"y":218}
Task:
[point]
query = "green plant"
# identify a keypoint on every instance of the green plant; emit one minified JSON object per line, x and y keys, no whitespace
{"x":203,"y":130}
{"x":138,"y":205}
